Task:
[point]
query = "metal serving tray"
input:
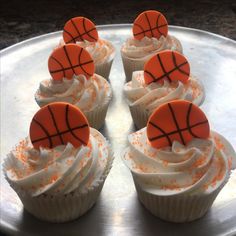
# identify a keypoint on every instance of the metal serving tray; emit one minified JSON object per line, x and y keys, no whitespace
{"x":118,"y":211}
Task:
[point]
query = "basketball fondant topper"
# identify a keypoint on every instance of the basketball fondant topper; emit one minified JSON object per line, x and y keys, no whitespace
{"x":57,"y":124}
{"x":176,"y":121}
{"x":169,"y":65}
{"x":69,"y":60}
{"x":150,"y":24}
{"x":79,"y":29}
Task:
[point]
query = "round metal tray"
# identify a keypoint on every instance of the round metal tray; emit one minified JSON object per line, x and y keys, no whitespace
{"x":118,"y":211}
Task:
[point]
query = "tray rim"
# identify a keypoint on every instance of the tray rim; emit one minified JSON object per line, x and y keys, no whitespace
{"x":107,"y":26}
{"x":5,"y":227}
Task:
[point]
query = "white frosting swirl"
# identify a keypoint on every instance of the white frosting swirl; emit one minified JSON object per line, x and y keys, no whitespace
{"x":59,"y":170}
{"x":138,"y":49}
{"x":87,"y":94}
{"x":199,"y":167}
{"x":151,"y":96}
{"x":101,"y":51}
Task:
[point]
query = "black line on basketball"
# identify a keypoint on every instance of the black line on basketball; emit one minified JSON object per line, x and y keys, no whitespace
{"x":160,"y":129}
{"x":150,"y":27}
{"x":72,"y":37}
{"x":45,"y":131}
{"x":157,"y":22}
{"x":163,"y":68}
{"x":77,"y":30}
{"x":175,"y":131}
{"x":79,"y":57}
{"x":59,"y":63}
{"x":69,"y":128}
{"x":168,"y":73}
{"x":145,"y":31}
{"x":188,"y":119}
{"x":69,"y":68}
{"x":176,"y":123}
{"x":78,"y":37}
{"x":55,"y":124}
{"x":142,"y":30}
{"x":153,"y":77}
{"x":60,"y":133}
{"x":68,"y":58}
{"x":87,"y":32}
{"x":177,"y":67}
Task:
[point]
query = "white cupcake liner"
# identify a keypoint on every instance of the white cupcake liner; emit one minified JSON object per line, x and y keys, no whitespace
{"x":63,"y":208}
{"x":177,"y":208}
{"x":176,"y":44}
{"x":96,"y":117}
{"x":40,"y":103}
{"x":104,"y":69}
{"x":140,"y":116}
{"x":132,"y":64}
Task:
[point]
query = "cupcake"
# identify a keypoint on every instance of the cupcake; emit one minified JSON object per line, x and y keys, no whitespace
{"x":166,"y":77}
{"x":73,"y":81}
{"x":58,"y":171}
{"x":150,"y":35}
{"x":83,"y":32}
{"x":178,"y":165}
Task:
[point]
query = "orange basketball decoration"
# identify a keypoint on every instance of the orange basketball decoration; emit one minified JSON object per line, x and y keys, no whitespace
{"x":69,"y":60}
{"x":57,"y":124}
{"x":169,"y":65}
{"x":151,"y":24}
{"x":176,"y":121}
{"x":79,"y":29}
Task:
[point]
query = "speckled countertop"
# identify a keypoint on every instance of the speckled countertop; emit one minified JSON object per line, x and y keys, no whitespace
{"x":22,"y":19}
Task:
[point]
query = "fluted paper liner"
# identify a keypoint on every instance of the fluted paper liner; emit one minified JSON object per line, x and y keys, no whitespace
{"x":140,"y":115}
{"x":104,"y":69}
{"x":62,"y":208}
{"x":132,"y":64}
{"x":96,"y":117}
{"x":177,"y":208}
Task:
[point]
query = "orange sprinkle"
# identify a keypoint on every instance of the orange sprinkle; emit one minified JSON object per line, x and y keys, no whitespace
{"x":218,"y":143}
{"x":230,"y":162}
{"x":199,"y":162}
{"x":197,"y":176}
{"x":195,"y":90}
{"x":173,"y":186}
{"x":90,"y":181}
{"x":99,"y":154}
{"x":219,"y":176}
{"x":69,"y":162}
{"x":54,"y":178}
{"x":33,"y":187}
{"x":165,"y":163}
{"x":141,"y":168}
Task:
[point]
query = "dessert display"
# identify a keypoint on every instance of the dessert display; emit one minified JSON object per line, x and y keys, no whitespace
{"x":166,"y":77}
{"x":150,"y":35}
{"x":178,"y":164}
{"x":73,"y":81}
{"x":82,"y":31}
{"x":59,"y":170}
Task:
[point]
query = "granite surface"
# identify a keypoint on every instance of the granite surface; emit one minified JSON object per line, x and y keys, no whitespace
{"x":22,"y":19}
